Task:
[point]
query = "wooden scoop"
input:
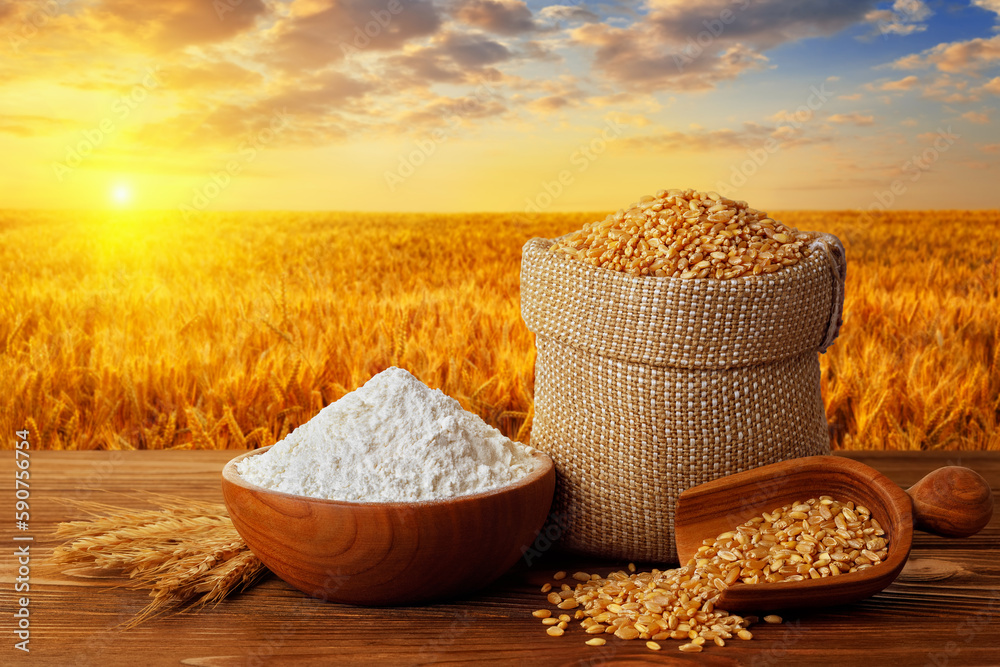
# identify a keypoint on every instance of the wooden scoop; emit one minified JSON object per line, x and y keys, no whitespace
{"x":950,"y":501}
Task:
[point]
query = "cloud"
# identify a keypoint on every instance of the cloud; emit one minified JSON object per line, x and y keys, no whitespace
{"x":853,"y":118}
{"x":30,"y":125}
{"x":537,"y":51}
{"x":7,"y":9}
{"x":220,"y":76}
{"x":452,"y":57}
{"x":763,"y":24}
{"x":349,"y":69}
{"x":977,"y":117}
{"x":696,"y":46}
{"x":786,"y":133}
{"x":317,"y":94}
{"x":313,"y":105}
{"x":989,"y":148}
{"x":568,"y":13}
{"x":853,"y":97}
{"x":163,"y":25}
{"x":616,"y":100}
{"x":340,"y":68}
{"x":955,"y":57}
{"x":452,"y":112}
{"x":635,"y":58}
{"x":785,"y":116}
{"x":550,"y":103}
{"x":909,"y":122}
{"x":698,"y":140}
{"x":630,"y":120}
{"x":559,"y":95}
{"x":950,"y":90}
{"x":906,"y":83}
{"x":904,"y":18}
{"x":988,"y":5}
{"x":331,"y":29}
{"x":504,"y":17}
{"x":627,"y":102}
{"x":471,"y":50}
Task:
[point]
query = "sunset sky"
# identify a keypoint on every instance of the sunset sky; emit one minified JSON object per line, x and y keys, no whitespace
{"x":497,"y":105}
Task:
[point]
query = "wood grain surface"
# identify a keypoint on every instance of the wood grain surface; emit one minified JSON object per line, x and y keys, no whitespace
{"x":944,"y":609}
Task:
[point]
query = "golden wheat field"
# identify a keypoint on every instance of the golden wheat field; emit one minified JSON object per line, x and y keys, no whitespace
{"x":139,"y":330}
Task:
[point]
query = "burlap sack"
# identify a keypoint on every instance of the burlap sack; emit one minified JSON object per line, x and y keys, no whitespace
{"x":647,"y":386}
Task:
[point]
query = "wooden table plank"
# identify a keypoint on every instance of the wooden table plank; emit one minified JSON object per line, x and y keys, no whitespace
{"x":943,"y":610}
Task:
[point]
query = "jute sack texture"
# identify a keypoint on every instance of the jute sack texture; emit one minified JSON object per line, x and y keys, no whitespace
{"x":647,"y":386}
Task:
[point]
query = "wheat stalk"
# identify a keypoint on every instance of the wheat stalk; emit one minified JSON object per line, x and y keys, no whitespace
{"x":187,"y":554}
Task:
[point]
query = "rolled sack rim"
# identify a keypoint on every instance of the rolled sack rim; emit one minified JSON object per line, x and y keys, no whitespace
{"x":648,"y":319}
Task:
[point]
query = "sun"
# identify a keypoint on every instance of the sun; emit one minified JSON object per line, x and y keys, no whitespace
{"x":121,"y":194}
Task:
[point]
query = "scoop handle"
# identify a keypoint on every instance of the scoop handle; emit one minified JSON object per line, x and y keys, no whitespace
{"x":952,"y":502}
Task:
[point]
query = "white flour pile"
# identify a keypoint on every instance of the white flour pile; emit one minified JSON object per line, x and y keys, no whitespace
{"x":394,"y":439}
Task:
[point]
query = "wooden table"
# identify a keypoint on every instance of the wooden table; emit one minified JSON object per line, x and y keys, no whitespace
{"x":943,"y":610}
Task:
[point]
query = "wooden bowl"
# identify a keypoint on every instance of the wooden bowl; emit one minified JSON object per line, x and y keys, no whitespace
{"x":951,"y":501}
{"x":389,"y":553}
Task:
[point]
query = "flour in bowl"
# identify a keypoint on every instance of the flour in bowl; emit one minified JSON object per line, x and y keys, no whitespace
{"x":393,"y":439}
